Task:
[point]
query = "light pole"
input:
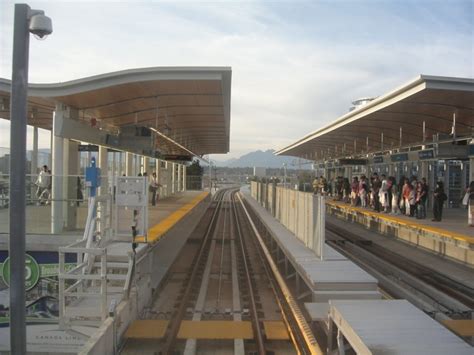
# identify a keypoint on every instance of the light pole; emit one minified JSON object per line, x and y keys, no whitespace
{"x":26,"y":21}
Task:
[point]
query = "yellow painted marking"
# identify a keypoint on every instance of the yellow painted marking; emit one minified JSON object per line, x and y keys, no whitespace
{"x":442,"y":232}
{"x":147,"y":329}
{"x":210,"y":329}
{"x":158,"y":230}
{"x":275,"y":330}
{"x":462,"y":327}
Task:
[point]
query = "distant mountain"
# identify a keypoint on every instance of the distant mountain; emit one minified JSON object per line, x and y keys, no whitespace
{"x":265,"y":159}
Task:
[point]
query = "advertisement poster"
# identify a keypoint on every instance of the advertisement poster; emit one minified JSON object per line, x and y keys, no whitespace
{"x":42,"y":288}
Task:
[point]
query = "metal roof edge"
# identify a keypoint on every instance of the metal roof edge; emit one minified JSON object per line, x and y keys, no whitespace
{"x":120,"y":77}
{"x":420,"y":79}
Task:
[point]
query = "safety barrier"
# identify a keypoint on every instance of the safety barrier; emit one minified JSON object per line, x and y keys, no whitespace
{"x":302,"y":213}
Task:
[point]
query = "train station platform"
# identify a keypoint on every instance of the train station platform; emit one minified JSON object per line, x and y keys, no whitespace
{"x":170,"y":211}
{"x":161,"y":218}
{"x":451,"y":238}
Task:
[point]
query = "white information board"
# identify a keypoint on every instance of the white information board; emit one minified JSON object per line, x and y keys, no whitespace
{"x":131,"y":206}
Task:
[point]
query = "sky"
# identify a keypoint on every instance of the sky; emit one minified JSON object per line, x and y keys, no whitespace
{"x":296,"y":65}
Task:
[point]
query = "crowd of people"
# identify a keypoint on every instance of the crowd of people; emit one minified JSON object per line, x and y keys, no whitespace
{"x":408,"y":196}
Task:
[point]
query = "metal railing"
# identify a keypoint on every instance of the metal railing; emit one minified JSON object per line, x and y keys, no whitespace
{"x":81,"y":279}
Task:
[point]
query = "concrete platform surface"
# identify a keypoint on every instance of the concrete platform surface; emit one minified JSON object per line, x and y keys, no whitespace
{"x":38,"y":218}
{"x":169,"y":212}
{"x":393,"y":327}
{"x":453,"y":225}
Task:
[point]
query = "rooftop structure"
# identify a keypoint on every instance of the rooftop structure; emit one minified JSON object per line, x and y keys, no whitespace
{"x":188,"y":108}
{"x":411,"y":114}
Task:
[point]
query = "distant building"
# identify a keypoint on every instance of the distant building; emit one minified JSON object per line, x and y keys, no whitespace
{"x":361,"y":102}
{"x":259,"y":172}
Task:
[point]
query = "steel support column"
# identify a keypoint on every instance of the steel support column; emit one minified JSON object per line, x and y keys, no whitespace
{"x":19,"y":112}
{"x":146,"y":165}
{"x":179,"y":178}
{"x":173,"y":178}
{"x":184,"y":178}
{"x":104,"y":170}
{"x":471,"y":169}
{"x":34,"y":163}
{"x":57,"y":172}
{"x":128,"y":164}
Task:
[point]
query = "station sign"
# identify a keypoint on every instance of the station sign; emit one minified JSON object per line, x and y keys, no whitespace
{"x":177,"y":157}
{"x":352,"y":161}
{"x":426,"y":154}
{"x":32,"y":272}
{"x":471,"y":150}
{"x":378,"y":159}
{"x":88,"y":148}
{"x":399,"y":157}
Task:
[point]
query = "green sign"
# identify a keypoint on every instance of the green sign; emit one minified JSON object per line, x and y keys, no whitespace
{"x":32,"y":272}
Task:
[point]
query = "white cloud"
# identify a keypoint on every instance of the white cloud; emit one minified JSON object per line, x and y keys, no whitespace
{"x":286,"y":80}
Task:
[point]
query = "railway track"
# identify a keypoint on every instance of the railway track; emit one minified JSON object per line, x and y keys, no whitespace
{"x":402,"y":277}
{"x":224,"y":273}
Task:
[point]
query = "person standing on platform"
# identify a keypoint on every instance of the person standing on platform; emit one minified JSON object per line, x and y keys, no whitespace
{"x":395,"y":195}
{"x":43,"y":183}
{"x":406,"y":197}
{"x":470,"y":202}
{"x":412,"y":200}
{"x":418,"y":197}
{"x":316,"y":186}
{"x":401,"y":202}
{"x":363,"y":188}
{"x":376,"y":185}
{"x":154,"y":185}
{"x":424,"y":199}
{"x":383,"y":194}
{"x":439,"y":198}
{"x":355,"y":191}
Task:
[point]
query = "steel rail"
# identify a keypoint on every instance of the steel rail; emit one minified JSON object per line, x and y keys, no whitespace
{"x":454,"y":296}
{"x":219,"y":286}
{"x":253,"y":306}
{"x":175,"y":321}
{"x":310,"y":345}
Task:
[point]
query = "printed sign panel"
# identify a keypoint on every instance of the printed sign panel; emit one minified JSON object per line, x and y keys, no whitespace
{"x":426,"y":154}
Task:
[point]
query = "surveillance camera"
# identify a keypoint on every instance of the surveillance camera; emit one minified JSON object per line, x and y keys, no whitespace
{"x":40,"y":25}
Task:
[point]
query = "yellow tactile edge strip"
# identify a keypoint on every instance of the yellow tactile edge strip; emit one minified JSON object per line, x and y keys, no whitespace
{"x":147,"y":329}
{"x":215,"y":330}
{"x":462,"y":327}
{"x":442,"y":232}
{"x":158,"y":230}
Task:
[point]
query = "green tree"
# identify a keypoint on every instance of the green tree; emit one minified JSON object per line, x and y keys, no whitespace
{"x":195,"y":169}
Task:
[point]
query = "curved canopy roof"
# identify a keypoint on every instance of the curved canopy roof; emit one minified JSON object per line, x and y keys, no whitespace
{"x":190,"y":105}
{"x":429,"y":100}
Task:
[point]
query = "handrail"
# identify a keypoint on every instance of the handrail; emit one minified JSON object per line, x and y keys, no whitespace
{"x":130,"y":274}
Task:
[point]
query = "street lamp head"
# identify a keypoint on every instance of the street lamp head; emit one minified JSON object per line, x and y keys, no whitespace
{"x":40,"y":24}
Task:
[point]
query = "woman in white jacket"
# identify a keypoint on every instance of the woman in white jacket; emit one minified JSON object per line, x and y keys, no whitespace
{"x":383,"y":194}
